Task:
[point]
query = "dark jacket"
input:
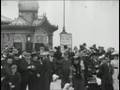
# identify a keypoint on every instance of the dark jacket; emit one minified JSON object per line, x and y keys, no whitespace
{"x":14,"y":80}
{"x":26,"y":74}
{"x":5,"y":71}
{"x":65,"y":72}
{"x":46,"y":76}
{"x":78,"y":78}
{"x":105,"y":73}
{"x":36,"y":79}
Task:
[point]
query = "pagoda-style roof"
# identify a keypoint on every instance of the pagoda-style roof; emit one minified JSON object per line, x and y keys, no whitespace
{"x":20,"y":21}
{"x":39,"y":21}
{"x":5,"y":20}
{"x":47,"y":25}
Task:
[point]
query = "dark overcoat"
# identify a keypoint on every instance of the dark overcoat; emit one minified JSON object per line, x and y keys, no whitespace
{"x":36,"y":79}
{"x":65,"y":72}
{"x":26,"y":74}
{"x":105,"y":73}
{"x":46,"y":76}
{"x":14,"y":80}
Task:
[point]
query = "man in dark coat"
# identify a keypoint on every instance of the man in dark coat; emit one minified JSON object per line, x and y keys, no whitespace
{"x":35,"y":80}
{"x":58,"y":61}
{"x":6,"y":64}
{"x":26,"y":68}
{"x":78,"y":75}
{"x":105,"y":73}
{"x":13,"y":80}
{"x":47,"y":72}
{"x":66,"y":65}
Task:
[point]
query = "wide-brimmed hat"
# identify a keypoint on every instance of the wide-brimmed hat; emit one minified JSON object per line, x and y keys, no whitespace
{"x":115,"y":53}
{"x":44,"y":53}
{"x":27,"y":54}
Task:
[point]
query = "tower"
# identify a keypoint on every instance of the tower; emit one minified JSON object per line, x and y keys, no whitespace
{"x":28,"y":10}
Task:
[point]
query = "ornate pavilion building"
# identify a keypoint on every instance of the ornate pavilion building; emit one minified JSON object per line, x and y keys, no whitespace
{"x":28,"y":31}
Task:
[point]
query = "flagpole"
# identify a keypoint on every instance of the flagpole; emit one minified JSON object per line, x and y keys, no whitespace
{"x":63,"y":15}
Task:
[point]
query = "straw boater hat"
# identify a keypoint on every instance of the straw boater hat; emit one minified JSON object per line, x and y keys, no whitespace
{"x":44,"y":53}
{"x":116,"y":53}
{"x":101,"y":57}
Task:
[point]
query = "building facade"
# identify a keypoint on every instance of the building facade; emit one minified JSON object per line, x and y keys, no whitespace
{"x":28,"y":31}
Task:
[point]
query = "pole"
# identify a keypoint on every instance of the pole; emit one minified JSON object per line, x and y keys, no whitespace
{"x":63,"y":15}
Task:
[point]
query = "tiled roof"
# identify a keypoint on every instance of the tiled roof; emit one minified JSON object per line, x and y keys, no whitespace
{"x":19,"y":21}
{"x":38,"y":21}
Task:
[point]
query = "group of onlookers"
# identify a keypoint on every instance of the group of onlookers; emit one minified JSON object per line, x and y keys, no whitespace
{"x":83,"y":69}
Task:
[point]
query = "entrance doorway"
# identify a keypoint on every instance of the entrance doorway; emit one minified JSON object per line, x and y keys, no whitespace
{"x":38,"y":45}
{"x":29,"y":46}
{"x":18,"y":45}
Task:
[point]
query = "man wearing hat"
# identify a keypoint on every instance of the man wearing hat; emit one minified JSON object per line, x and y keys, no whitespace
{"x":65,"y":70}
{"x":47,"y":71}
{"x":101,"y":50}
{"x":13,"y":80}
{"x":105,"y":74}
{"x":5,"y":67}
{"x":35,"y":80}
{"x":78,"y":75}
{"x":26,"y":68}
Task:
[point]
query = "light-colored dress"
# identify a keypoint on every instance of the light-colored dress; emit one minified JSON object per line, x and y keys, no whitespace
{"x":115,"y":64}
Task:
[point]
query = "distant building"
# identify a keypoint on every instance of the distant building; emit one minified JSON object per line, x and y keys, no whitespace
{"x":28,"y":31}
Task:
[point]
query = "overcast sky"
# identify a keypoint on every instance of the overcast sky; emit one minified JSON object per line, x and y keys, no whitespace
{"x":93,"y":22}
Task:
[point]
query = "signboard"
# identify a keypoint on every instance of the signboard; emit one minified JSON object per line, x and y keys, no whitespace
{"x":41,"y":39}
{"x":66,"y":39}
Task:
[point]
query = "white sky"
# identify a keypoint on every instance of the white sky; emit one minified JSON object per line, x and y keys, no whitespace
{"x":93,"y":22}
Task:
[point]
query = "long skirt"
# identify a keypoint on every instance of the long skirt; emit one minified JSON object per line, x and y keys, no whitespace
{"x":115,"y":79}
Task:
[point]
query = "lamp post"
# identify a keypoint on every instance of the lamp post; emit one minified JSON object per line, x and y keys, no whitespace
{"x":64,"y":16}
{"x":65,"y":38}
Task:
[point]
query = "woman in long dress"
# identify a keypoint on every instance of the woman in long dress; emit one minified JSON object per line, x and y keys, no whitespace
{"x":115,"y":63}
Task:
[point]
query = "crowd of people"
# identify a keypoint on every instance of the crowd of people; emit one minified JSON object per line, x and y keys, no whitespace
{"x":92,"y":68}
